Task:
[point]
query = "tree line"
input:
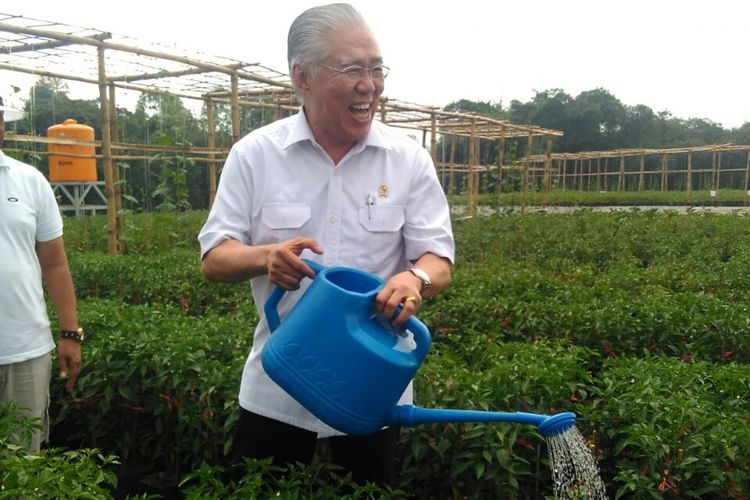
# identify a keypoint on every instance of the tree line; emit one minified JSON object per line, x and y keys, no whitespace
{"x":593,"y":120}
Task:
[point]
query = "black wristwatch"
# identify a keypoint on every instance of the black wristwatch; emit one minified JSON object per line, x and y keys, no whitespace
{"x":76,"y":335}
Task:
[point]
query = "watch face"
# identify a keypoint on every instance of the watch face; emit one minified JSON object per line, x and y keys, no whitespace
{"x":419,"y":273}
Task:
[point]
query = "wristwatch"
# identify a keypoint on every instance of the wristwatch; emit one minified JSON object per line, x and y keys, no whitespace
{"x":422,"y":275}
{"x":76,"y":335}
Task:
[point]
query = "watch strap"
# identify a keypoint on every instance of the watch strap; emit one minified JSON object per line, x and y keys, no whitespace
{"x":76,"y":335}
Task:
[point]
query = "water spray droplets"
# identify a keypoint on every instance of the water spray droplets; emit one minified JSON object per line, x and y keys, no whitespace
{"x":574,"y":469}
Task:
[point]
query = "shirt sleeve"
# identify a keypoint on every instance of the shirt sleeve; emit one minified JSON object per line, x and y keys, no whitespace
{"x":49,"y":225}
{"x":230,"y":215}
{"x":428,"y":224}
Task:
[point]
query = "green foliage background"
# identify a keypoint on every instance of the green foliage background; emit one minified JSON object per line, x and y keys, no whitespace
{"x":637,"y":321}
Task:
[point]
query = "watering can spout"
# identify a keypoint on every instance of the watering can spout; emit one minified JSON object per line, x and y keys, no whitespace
{"x":549,"y":425}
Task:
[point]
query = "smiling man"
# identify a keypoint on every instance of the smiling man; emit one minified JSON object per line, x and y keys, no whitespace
{"x":331,"y":185}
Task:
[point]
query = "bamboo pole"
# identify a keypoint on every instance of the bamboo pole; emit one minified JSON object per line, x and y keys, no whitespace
{"x":718,"y":172}
{"x":747,"y":172}
{"x":690,"y":175}
{"x":433,"y":138}
{"x":714,"y":185}
{"x":113,"y":132}
{"x":113,"y":236}
{"x":235,"y":107}
{"x":663,"y":171}
{"x":547,"y":169}
{"x":452,"y":174}
{"x":621,"y":180}
{"x":642,"y":178}
{"x":470,"y":174}
{"x":211,"y":143}
{"x":526,"y":165}
{"x":500,"y":159}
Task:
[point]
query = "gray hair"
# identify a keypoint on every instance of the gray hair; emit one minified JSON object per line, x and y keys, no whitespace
{"x":307,"y":43}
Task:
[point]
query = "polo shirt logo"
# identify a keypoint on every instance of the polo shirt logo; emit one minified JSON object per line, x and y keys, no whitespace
{"x":13,"y":199}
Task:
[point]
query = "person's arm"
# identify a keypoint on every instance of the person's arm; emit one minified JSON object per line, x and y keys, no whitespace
{"x":232,"y":262}
{"x":59,"y":284}
{"x":405,"y":289}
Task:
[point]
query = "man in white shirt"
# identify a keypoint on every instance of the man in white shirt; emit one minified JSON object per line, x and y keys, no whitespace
{"x":31,"y":247}
{"x":330,"y":185}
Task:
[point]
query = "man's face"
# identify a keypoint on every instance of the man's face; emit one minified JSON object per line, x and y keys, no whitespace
{"x":340,"y":109}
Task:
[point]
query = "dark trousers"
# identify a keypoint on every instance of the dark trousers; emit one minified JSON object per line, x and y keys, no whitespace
{"x":369,"y":458}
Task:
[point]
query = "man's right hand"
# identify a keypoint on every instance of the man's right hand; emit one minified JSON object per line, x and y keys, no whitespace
{"x":285,"y":267}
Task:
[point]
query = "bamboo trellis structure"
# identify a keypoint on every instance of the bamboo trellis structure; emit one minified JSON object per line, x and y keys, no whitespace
{"x":112,"y":62}
{"x":568,"y":171}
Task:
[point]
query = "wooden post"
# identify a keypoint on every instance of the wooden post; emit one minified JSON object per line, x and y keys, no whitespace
{"x":718,"y":172}
{"x":211,"y":143}
{"x":526,"y":165}
{"x":747,"y":172}
{"x":713,"y":171}
{"x":663,"y":171}
{"x":500,"y":159}
{"x":690,"y":175}
{"x":235,"y":106}
{"x":113,"y":132}
{"x":605,"y":173}
{"x":452,"y":175}
{"x":478,"y":171}
{"x":576,"y":176}
{"x":641,"y":177}
{"x":470,"y":173}
{"x":113,"y":236}
{"x":598,"y":173}
{"x":621,"y":180}
{"x":547,"y":168}
{"x":433,"y":139}
{"x":588,"y":174}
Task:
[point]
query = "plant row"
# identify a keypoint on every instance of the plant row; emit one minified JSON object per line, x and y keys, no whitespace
{"x":159,"y":391}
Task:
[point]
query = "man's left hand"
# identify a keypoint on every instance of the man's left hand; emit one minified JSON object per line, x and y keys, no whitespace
{"x":401,"y":290}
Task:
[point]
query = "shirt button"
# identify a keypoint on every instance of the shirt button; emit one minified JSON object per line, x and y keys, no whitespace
{"x":332,"y":219}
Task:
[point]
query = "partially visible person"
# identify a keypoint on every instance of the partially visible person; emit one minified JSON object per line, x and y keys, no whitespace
{"x":31,"y":248}
{"x":331,"y":185}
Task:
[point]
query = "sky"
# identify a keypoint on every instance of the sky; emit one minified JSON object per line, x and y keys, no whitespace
{"x":687,"y":57}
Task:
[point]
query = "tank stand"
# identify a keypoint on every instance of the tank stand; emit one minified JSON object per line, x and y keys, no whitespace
{"x":77,"y":198}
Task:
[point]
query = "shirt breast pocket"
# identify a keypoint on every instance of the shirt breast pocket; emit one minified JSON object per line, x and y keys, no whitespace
{"x":284,"y":220}
{"x":381,"y":240}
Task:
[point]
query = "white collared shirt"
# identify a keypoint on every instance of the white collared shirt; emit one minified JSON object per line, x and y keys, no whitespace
{"x":28,"y":213}
{"x":379,"y":208}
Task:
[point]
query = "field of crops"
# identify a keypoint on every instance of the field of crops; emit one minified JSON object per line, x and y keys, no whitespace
{"x":638,"y":321}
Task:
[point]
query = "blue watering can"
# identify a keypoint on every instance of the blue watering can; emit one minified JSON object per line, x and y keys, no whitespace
{"x":348,"y":366}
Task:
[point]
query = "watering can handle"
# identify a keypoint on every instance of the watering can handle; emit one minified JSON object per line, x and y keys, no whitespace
{"x":272,"y":302}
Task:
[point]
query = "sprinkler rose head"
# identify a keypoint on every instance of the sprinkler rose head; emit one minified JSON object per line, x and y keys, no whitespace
{"x":557,"y":424}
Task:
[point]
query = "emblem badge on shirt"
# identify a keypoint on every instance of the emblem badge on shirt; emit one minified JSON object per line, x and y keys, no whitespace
{"x":13,"y":199}
{"x":383,"y":191}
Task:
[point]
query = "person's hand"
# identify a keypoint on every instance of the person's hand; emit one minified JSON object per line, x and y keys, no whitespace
{"x":285,"y":268}
{"x":69,"y":358}
{"x":401,"y":290}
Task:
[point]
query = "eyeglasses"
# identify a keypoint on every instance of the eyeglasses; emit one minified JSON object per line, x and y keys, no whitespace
{"x":355,"y":73}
